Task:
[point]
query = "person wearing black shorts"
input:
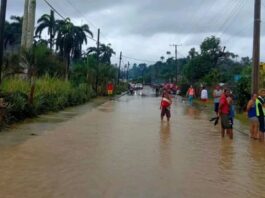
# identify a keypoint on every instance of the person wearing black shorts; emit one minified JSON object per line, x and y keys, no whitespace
{"x":260,"y":113}
{"x":165,"y":105}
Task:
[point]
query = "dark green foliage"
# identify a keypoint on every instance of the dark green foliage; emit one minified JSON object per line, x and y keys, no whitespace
{"x":12,"y":32}
{"x":243,"y":88}
{"x":18,"y":107}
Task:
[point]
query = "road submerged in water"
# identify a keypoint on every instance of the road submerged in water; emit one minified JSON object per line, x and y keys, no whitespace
{"x":121,"y":149}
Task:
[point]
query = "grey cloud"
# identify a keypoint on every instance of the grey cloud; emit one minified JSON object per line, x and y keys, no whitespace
{"x":141,"y":22}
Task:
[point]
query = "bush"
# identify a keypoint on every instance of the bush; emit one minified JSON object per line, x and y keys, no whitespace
{"x":18,"y":107}
{"x":243,"y":90}
{"x":51,"y":94}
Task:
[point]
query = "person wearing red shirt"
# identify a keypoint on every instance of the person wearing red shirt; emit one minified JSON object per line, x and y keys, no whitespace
{"x":223,"y":112}
{"x":165,"y":105}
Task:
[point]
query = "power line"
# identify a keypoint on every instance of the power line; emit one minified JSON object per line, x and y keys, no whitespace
{"x":231,"y":19}
{"x":81,"y":14}
{"x":54,"y":9}
{"x":137,"y":59}
{"x":57,"y":12}
{"x":85,"y":18}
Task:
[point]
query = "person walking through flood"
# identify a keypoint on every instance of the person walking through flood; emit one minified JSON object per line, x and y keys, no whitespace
{"x":204,"y":95}
{"x":230,"y":100}
{"x":216,"y":98}
{"x":223,"y":113}
{"x":165,"y":105}
{"x":260,"y":110}
{"x":252,"y":117}
{"x":191,"y":95}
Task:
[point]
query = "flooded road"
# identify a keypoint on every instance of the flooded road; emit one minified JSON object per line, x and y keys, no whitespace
{"x":121,"y":149}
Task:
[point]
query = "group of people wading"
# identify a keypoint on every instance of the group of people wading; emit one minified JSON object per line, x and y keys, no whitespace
{"x":225,"y":110}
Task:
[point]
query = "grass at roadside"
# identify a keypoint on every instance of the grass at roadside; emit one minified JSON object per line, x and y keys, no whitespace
{"x":51,"y":94}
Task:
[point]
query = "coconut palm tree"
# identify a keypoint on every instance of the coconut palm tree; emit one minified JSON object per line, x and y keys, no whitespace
{"x":47,"y":21}
{"x":69,"y":41}
{"x":105,"y":53}
{"x":81,"y":33}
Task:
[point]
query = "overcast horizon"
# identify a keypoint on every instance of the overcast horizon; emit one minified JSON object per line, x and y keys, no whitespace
{"x":145,"y":29}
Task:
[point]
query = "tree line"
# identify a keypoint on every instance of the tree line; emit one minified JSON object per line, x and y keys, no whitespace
{"x":56,"y":72}
{"x":209,"y":65}
{"x":61,"y":54}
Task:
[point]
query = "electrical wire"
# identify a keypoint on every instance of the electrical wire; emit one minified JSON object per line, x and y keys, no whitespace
{"x":55,"y":10}
{"x":233,"y":17}
{"x":85,"y":18}
{"x":137,"y":59}
{"x":81,"y":14}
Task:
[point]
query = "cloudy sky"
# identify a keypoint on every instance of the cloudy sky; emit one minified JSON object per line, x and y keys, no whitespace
{"x":144,"y":29}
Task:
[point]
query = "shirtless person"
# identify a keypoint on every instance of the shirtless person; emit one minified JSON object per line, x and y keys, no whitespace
{"x":165,"y":105}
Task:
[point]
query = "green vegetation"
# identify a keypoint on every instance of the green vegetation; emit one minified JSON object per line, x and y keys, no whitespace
{"x":210,"y":65}
{"x":54,"y":73}
{"x":51,"y":94}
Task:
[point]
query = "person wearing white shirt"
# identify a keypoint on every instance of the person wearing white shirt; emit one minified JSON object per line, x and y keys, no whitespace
{"x":204,"y":95}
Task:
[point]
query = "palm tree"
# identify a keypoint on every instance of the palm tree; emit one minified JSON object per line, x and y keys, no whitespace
{"x":69,"y":40}
{"x":47,"y":21}
{"x":105,"y":53}
{"x":80,"y":38}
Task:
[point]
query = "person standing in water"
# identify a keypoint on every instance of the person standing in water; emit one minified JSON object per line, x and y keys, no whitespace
{"x":223,"y":112}
{"x":204,"y":95}
{"x":252,"y":116}
{"x":217,"y":92}
{"x":261,"y":113}
{"x":230,"y":101}
{"x":165,"y":105}
{"x":191,"y":94}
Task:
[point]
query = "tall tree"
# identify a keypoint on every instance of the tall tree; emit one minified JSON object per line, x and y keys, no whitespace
{"x":69,"y":40}
{"x":105,"y":53}
{"x":49,"y":22}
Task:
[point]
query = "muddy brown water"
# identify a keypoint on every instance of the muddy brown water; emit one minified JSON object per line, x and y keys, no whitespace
{"x":121,"y":149}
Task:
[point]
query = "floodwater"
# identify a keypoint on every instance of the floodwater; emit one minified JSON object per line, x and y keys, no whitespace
{"x":120,"y":149}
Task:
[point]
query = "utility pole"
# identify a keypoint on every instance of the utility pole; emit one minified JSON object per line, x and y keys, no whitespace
{"x":119,"y":72}
{"x":256,"y":47}
{"x":25,"y":25}
{"x":98,"y":54}
{"x":31,"y":23}
{"x":28,"y":24}
{"x":128,"y":67}
{"x":2,"y":28}
{"x":176,"y":59}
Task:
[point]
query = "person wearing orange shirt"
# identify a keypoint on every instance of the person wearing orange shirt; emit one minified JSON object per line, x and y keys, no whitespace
{"x":191,"y":95}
